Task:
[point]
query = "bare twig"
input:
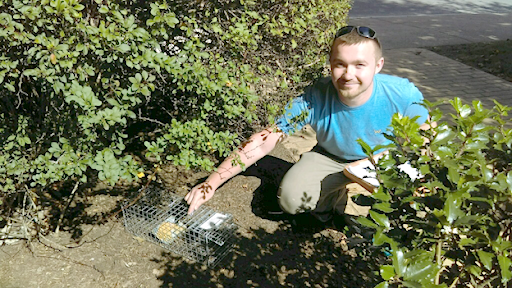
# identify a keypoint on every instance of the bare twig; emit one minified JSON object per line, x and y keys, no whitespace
{"x":454,"y":282}
{"x":149,"y":119}
{"x":306,"y":65}
{"x":67,"y":206}
{"x":31,"y":197}
{"x":51,"y":244}
{"x":438,"y":260}
{"x":75,"y":262}
{"x":23,"y":218}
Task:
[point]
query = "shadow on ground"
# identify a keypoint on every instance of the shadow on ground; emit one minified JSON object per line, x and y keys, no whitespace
{"x":270,"y":170}
{"x":284,"y":257}
{"x":281,"y":259}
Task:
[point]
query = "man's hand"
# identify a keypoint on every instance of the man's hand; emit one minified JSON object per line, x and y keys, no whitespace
{"x":198,"y":196}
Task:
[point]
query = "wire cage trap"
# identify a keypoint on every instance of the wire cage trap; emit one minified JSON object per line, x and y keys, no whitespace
{"x":161,"y":217}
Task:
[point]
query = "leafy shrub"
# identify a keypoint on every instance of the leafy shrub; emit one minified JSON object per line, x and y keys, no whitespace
{"x":86,"y":82}
{"x":452,"y":227}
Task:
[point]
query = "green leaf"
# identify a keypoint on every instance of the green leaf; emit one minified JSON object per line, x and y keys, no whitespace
{"x":381,"y":219}
{"x":294,"y":44}
{"x":486,"y":258}
{"x":9,"y":87}
{"x":381,"y":195}
{"x":505,"y":265}
{"x":124,"y":48}
{"x":367,"y":222}
{"x":444,"y":134}
{"x":384,"y":207}
{"x":103,"y":9}
{"x":399,"y":261}
{"x":500,"y":244}
{"x":479,"y":235}
{"x":423,"y":271}
{"x":453,"y":172}
{"x":466,"y":242}
{"x":383,"y":284}
{"x":451,"y":207}
{"x":469,"y":220}
{"x":380,"y":238}
{"x":366,"y":148}
{"x":411,"y":284}
{"x":9,"y":146}
{"x":387,"y":272}
{"x":509,"y":180}
{"x":475,"y":270}
{"x":464,"y":111}
{"x":445,"y":152}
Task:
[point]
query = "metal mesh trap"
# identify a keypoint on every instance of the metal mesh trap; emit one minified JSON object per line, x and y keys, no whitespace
{"x":161,"y":217}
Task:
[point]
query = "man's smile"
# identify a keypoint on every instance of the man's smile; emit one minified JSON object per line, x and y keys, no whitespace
{"x":349,"y":84}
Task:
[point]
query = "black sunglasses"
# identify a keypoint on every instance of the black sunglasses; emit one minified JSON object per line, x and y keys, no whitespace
{"x":361,"y":30}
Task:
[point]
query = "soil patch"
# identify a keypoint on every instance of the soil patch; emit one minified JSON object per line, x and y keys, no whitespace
{"x":267,"y":252}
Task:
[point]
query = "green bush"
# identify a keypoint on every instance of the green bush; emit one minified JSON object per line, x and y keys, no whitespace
{"x":452,"y":227}
{"x":86,"y":82}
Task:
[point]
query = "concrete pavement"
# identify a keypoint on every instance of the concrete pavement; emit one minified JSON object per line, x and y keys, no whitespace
{"x":387,"y":8}
{"x":406,"y":27}
{"x":435,"y":30}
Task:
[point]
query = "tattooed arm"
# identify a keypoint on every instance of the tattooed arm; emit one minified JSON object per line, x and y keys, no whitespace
{"x":252,"y":150}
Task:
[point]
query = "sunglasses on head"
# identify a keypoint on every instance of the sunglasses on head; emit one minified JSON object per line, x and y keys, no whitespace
{"x":361,"y":30}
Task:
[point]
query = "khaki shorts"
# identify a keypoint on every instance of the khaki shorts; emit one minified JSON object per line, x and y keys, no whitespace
{"x":316,"y":183}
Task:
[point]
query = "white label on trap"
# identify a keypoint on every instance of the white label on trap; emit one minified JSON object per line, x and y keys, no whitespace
{"x":214,"y":222}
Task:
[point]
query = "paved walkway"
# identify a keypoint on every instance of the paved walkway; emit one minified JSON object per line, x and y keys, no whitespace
{"x":406,"y":28}
{"x":386,"y":8}
{"x":439,"y":77}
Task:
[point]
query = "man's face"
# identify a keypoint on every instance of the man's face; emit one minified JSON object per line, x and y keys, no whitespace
{"x":352,"y":71}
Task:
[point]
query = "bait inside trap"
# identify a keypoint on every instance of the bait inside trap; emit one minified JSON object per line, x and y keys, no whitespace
{"x":161,"y":217}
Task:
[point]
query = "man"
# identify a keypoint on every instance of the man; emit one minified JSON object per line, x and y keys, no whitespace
{"x":355,"y":103}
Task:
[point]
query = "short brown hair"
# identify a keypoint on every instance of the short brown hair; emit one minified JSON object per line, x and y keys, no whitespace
{"x":354,"y":38}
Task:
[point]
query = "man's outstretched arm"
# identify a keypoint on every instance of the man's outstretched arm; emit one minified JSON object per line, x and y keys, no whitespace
{"x":252,"y":150}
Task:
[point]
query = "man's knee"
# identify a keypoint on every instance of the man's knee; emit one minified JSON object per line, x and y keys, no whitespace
{"x":299,"y":190}
{"x":294,"y":202}
{"x":286,"y":205}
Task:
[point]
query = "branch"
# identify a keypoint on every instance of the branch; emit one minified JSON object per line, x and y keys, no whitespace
{"x":455,"y":282}
{"x":438,"y":260}
{"x":67,"y":206}
{"x":149,"y":119}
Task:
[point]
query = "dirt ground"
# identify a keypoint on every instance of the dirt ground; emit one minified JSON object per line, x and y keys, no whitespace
{"x":267,"y":251}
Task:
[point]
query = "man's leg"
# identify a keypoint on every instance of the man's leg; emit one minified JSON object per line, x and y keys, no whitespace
{"x":347,"y":206}
{"x":316,"y":183}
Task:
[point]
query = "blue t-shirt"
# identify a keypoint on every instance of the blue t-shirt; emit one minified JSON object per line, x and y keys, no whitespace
{"x":338,"y":126}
